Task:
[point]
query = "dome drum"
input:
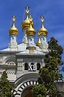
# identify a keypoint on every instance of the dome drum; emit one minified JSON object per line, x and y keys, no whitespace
{"x":30,"y":33}
{"x":42,"y":33}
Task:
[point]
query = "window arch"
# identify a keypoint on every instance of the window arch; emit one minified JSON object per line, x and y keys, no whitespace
{"x":38,"y":66}
{"x":26,"y":66}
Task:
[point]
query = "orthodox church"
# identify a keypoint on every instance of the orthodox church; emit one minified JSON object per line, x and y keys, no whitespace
{"x":23,"y":61}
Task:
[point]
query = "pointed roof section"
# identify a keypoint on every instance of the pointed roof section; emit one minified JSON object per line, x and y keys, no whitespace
{"x":26,"y":23}
{"x":31,"y":30}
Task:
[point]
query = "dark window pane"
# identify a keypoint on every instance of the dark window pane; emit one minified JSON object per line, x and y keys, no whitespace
{"x":38,"y":66}
{"x":26,"y":66}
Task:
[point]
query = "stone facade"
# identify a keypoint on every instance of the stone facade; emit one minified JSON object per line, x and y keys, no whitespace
{"x":23,"y":61}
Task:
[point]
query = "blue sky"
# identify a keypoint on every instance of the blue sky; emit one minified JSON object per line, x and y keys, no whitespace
{"x":52,"y":10}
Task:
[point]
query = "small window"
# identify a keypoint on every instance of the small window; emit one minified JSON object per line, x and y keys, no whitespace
{"x":38,"y":66}
{"x":26,"y":66}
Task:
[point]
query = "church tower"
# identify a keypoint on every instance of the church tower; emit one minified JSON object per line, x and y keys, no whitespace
{"x":30,"y":37}
{"x":13,"y":32}
{"x":25,"y":24}
{"x":42,"y":34}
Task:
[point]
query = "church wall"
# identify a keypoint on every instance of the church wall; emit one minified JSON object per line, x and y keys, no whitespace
{"x":8,"y":63}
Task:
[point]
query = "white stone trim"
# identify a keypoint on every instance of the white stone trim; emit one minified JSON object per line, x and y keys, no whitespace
{"x":18,"y":92}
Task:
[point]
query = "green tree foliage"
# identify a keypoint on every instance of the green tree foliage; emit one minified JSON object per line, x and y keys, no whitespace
{"x":50,"y":72}
{"x":39,"y":90}
{"x":5,"y":87}
{"x":56,"y":50}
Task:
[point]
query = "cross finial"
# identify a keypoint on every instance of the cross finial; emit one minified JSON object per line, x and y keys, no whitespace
{"x":27,"y":9}
{"x":42,"y":20}
{"x":30,"y":18}
{"x":13,"y":20}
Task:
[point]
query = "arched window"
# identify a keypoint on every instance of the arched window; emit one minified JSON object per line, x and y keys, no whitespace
{"x":26,"y":66}
{"x":38,"y":66}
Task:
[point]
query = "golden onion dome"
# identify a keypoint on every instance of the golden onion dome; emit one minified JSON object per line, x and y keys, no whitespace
{"x":31,"y":30}
{"x":26,"y":23}
{"x":13,"y":30}
{"x":43,"y":30}
{"x":39,"y":42}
